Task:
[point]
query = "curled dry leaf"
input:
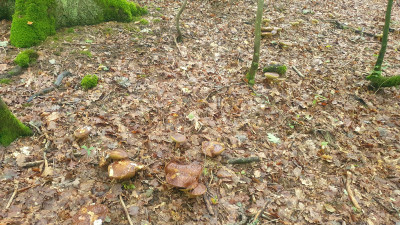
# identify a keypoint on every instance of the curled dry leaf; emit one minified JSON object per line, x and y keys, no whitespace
{"x":123,"y":169}
{"x":178,"y":138}
{"x":118,"y":154}
{"x":82,"y":133}
{"x":212,"y":148}
{"x":183,"y":176}
{"x":92,"y":214}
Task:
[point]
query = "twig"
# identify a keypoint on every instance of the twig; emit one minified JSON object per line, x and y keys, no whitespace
{"x":178,"y":16}
{"x":350,"y":191}
{"x":384,"y":206}
{"x":208,"y":205}
{"x":297,"y":71}
{"x":244,"y":160}
{"x":56,"y":84}
{"x":32,"y":164}
{"x":126,"y":210}
{"x":255,"y":220}
{"x":13,"y":195}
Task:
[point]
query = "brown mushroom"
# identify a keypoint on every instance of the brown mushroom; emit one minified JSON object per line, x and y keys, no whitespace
{"x":212,"y":148}
{"x":118,"y":154}
{"x":82,"y":133}
{"x":123,"y":169}
{"x":92,"y":214}
{"x":178,"y":139}
{"x":199,"y":190}
{"x":183,"y":176}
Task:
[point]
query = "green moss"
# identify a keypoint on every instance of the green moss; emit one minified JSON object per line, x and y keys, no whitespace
{"x":378,"y":81}
{"x":25,"y":58}
{"x":32,"y":22}
{"x":89,"y":81}
{"x":144,"y":21}
{"x":121,"y":10}
{"x":10,"y":127}
{"x":5,"y":81}
{"x":87,"y":53}
{"x":276,"y":68}
{"x":6,"y":9}
{"x":156,"y":20}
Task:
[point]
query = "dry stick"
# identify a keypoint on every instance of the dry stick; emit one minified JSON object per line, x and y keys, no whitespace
{"x":260,"y":212}
{"x":297,"y":71}
{"x":32,"y":164}
{"x":13,"y":195}
{"x":208,"y":205}
{"x":126,"y":210}
{"x":350,"y":191}
{"x":243,"y":160}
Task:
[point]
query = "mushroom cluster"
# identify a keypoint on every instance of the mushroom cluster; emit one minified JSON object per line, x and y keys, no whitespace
{"x":185,"y":176}
{"x":122,"y":168}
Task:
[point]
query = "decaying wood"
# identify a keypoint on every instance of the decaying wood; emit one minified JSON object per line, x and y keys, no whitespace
{"x":244,"y":160}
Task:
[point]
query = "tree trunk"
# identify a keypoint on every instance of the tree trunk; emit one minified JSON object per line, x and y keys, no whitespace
{"x":376,"y":78}
{"x":10,"y":127}
{"x":250,"y":76}
{"x":178,"y":16}
{"x":34,"y":20}
{"x":6,"y":9}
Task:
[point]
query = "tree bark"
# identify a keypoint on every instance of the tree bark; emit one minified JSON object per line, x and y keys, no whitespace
{"x":178,"y":16}
{"x":250,"y":76}
{"x":10,"y":127}
{"x":376,"y":78}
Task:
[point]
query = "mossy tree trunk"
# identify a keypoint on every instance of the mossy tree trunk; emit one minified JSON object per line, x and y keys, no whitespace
{"x":178,"y":16}
{"x":10,"y":127}
{"x":250,"y":76}
{"x":34,"y":20}
{"x":6,"y":9}
{"x":376,"y":78}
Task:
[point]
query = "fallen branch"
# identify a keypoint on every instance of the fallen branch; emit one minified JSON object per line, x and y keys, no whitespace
{"x":17,"y":70}
{"x":56,"y":85}
{"x":126,"y":210}
{"x":350,"y":191}
{"x":13,"y":195}
{"x":244,"y":160}
{"x":255,"y":220}
{"x":32,"y":164}
{"x":297,"y":71}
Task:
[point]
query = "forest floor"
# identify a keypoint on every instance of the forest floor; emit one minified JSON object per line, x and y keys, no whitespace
{"x":321,"y":137}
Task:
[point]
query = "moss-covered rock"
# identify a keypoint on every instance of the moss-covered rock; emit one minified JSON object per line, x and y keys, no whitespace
{"x":89,"y":81}
{"x":34,"y":20}
{"x":26,"y":57}
{"x":6,"y":9}
{"x":276,"y":68}
{"x":10,"y":127}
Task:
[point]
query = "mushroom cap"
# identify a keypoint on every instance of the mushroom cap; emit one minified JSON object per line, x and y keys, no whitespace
{"x":199,"y":190}
{"x":183,"y":176}
{"x":82,"y":132}
{"x":118,"y":154}
{"x":271,"y":75}
{"x":89,"y":214}
{"x":123,"y":169}
{"x":212,"y":148}
{"x":178,"y":138}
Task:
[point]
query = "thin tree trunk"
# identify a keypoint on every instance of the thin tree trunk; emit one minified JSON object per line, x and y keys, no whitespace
{"x":250,"y":76}
{"x":178,"y":16}
{"x":379,"y":61}
{"x":10,"y":127}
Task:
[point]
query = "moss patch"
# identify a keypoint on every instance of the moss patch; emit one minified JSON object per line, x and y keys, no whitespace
{"x":276,"y":68}
{"x":89,"y":81}
{"x":25,"y":58}
{"x":5,"y":81}
{"x":33,"y":21}
{"x":378,"y":81}
{"x":6,"y":9}
{"x":10,"y":127}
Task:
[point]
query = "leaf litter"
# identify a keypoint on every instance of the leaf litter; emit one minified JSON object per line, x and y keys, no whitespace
{"x":308,"y":132}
